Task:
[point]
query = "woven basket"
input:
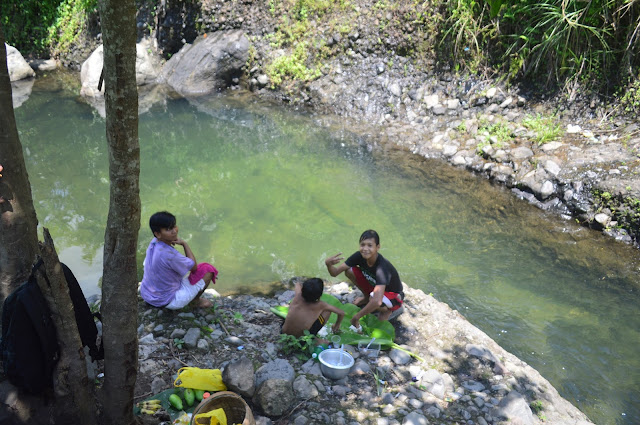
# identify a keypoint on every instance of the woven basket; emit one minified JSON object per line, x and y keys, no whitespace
{"x":236,"y":409}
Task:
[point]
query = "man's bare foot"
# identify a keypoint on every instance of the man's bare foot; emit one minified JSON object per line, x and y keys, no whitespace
{"x":360,"y":301}
{"x":203,"y":303}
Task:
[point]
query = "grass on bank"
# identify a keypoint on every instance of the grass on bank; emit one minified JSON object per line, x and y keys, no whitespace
{"x":545,"y":128}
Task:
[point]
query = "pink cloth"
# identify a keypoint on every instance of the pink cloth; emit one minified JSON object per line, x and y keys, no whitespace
{"x":203,"y":268}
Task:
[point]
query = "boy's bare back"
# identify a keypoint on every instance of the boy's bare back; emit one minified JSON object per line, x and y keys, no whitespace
{"x":303,"y":314}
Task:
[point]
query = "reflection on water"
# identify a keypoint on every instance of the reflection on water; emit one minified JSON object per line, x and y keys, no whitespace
{"x":266,"y":194}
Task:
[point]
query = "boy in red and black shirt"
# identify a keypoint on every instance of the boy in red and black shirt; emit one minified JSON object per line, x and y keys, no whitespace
{"x":374,"y":275}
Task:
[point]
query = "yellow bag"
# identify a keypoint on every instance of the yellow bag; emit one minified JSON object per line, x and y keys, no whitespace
{"x":216,"y":417}
{"x":200,"y":379}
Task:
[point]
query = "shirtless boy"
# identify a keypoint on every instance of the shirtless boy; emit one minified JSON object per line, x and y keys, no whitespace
{"x":374,"y":275}
{"x":307,"y":312}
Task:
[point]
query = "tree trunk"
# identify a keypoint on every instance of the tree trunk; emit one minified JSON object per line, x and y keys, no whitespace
{"x":18,"y":222}
{"x":75,"y":400}
{"x":74,"y":394}
{"x":119,"y":281}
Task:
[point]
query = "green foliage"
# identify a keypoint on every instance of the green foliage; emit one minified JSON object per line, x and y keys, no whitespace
{"x":595,"y":43}
{"x":536,"y":406}
{"x":25,"y":23}
{"x":292,"y":66}
{"x":466,"y":30}
{"x":178,"y":342}
{"x":498,"y":129}
{"x":70,"y":21}
{"x":630,"y":97}
{"x":43,"y":26}
{"x":546,"y":128}
{"x":302,"y":346}
{"x":237,"y":317}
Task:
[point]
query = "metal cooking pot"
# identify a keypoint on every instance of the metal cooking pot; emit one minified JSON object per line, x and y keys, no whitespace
{"x":335,"y":363}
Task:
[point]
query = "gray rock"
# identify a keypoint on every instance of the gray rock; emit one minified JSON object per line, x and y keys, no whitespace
{"x":147,"y":340}
{"x":415,"y":418}
{"x":43,"y":65}
{"x":262,"y":80}
{"x":234,"y":340}
{"x":277,"y":369}
{"x":275,"y":396}
{"x":433,"y":383}
{"x":203,"y":345}
{"x":431,"y":100}
{"x":178,"y":333}
{"x":301,"y":420}
{"x":603,"y":219}
{"x":191,"y":337}
{"x":399,"y":357}
{"x":547,"y":189}
{"x":551,"y":167}
{"x":304,"y":389}
{"x":263,"y":420}
{"x":207,"y":65}
{"x":439,"y":110}
{"x":19,"y":69}
{"x":158,"y":385}
{"x":521,"y":153}
{"x":147,"y":69}
{"x":514,"y":408}
{"x":394,"y":89}
{"x":360,"y":367}
{"x":340,"y":390}
{"x":239,"y":377}
{"x":480,"y":352}
{"x":449,"y":149}
{"x":473,"y":385}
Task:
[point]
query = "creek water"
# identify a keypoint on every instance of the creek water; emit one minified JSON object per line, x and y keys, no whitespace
{"x":265,"y":194}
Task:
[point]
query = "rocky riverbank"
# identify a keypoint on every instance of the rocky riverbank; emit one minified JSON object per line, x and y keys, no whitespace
{"x":463,"y":377}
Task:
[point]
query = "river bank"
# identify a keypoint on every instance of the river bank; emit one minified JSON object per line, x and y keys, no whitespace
{"x":463,"y":375}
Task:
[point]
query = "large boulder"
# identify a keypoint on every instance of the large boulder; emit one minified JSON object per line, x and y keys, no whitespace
{"x":147,"y":69}
{"x":19,"y":69}
{"x":239,"y":377}
{"x":207,"y":65}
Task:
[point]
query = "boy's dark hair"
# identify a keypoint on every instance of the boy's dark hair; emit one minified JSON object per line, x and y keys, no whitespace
{"x":370,"y":234}
{"x":312,"y":289}
{"x":162,"y":220}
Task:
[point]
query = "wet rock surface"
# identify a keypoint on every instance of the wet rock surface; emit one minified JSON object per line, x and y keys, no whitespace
{"x":462,"y":375}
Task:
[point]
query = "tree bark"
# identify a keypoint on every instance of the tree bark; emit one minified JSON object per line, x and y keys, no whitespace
{"x":18,"y":222}
{"x":119,"y":281}
{"x":74,"y":393}
{"x":75,"y":399}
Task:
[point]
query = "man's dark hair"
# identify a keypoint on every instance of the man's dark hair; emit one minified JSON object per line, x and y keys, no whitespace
{"x":312,"y":289}
{"x":162,"y":220}
{"x":370,"y":234}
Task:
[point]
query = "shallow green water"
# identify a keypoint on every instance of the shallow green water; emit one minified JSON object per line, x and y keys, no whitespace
{"x":266,"y":194}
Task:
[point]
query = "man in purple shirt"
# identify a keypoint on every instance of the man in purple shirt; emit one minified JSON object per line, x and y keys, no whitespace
{"x":165,"y":282}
